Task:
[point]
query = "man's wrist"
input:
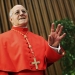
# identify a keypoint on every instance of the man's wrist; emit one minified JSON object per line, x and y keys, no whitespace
{"x":56,"y":49}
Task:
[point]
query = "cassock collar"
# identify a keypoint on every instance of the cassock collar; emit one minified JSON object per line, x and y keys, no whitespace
{"x":20,"y":29}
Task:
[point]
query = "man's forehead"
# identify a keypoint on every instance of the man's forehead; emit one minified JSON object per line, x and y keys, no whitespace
{"x":17,"y":7}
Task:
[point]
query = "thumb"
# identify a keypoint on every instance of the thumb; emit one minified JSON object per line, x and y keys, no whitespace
{"x":50,"y":40}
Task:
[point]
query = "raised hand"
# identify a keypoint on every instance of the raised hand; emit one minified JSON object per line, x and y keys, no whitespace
{"x":55,"y":35}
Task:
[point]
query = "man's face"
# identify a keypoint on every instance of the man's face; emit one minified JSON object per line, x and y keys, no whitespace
{"x":19,"y":16}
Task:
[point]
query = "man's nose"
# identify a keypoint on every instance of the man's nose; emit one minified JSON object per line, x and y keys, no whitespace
{"x":21,"y":12}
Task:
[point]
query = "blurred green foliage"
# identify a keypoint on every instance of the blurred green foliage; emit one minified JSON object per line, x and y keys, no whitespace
{"x":68,"y":43}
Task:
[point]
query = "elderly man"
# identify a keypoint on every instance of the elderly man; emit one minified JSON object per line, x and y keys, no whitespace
{"x":25,"y":53}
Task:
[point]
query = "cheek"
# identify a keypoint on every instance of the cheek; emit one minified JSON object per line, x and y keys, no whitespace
{"x":15,"y":20}
{"x":27,"y":18}
{"x":26,"y":15}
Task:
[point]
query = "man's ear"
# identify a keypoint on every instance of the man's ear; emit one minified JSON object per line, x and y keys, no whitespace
{"x":10,"y":19}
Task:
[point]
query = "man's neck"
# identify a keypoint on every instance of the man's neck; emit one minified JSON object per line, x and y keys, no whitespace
{"x":20,"y":26}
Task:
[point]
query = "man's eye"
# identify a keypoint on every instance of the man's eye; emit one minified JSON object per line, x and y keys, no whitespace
{"x":23,"y":11}
{"x":17,"y":12}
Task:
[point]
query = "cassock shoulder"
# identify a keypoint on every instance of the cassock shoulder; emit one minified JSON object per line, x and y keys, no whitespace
{"x":36,"y":36}
{"x":5,"y":34}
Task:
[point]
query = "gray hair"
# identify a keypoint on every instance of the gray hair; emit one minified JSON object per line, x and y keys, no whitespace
{"x":10,"y":13}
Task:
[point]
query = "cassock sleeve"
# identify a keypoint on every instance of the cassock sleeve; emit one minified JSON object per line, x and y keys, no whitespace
{"x":52,"y":55}
{"x":3,"y":73}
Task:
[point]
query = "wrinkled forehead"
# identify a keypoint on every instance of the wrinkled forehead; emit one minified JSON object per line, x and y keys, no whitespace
{"x":18,"y":7}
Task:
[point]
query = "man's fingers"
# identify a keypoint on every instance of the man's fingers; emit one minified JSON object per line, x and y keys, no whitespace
{"x":52,"y":27}
{"x":62,"y":36}
{"x":60,"y":30}
{"x":50,"y":40}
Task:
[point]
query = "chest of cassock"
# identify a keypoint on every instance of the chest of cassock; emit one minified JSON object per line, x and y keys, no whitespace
{"x":15,"y":51}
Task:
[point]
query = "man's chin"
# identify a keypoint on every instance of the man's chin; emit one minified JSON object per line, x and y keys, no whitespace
{"x":22,"y":25}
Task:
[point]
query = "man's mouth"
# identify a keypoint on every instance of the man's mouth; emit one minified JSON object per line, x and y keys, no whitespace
{"x":21,"y":18}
